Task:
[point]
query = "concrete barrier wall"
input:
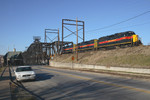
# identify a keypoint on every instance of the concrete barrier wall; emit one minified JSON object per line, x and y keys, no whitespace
{"x":84,"y":66}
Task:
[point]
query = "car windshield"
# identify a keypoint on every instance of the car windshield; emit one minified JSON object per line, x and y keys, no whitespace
{"x":23,"y":69}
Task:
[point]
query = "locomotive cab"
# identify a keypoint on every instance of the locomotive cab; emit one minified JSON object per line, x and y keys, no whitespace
{"x":135,"y":39}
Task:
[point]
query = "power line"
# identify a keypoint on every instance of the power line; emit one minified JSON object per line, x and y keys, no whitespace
{"x":126,"y":27}
{"x":129,"y":26}
{"x":120,"y":22}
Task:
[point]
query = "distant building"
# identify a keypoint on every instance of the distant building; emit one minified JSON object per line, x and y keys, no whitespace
{"x":1,"y":60}
{"x":13,"y":58}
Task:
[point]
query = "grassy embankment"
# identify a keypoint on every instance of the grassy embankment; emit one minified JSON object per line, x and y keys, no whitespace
{"x":138,"y":57}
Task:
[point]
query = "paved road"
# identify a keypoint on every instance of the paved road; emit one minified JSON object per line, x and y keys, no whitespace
{"x":58,"y":84}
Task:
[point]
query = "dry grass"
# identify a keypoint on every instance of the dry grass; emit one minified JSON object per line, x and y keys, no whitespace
{"x":121,"y":57}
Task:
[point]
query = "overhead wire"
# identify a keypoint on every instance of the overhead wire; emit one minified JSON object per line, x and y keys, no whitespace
{"x":126,"y":27}
{"x":120,"y":22}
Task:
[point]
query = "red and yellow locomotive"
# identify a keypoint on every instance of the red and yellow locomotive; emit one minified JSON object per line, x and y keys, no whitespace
{"x":128,"y":38}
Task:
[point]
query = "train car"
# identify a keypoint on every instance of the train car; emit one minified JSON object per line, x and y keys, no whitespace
{"x":118,"y":39}
{"x":68,"y":49}
{"x":87,"y":45}
{"x":128,"y":38}
{"x":83,"y":46}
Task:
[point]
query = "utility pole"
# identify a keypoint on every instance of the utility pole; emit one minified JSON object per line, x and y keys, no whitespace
{"x":45,"y":37}
{"x":58,"y":42}
{"x":77,"y":39}
{"x":83,"y":33}
{"x":62,"y":35}
{"x":7,"y":56}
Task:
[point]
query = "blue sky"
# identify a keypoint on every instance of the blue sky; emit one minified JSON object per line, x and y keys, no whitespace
{"x":20,"y":20}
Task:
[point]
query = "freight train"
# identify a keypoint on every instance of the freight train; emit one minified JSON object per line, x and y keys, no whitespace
{"x":122,"y":39}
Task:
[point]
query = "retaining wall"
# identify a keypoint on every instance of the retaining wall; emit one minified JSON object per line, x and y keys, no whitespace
{"x":84,"y":66}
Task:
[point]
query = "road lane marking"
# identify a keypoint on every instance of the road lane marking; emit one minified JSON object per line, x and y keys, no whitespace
{"x":101,"y":82}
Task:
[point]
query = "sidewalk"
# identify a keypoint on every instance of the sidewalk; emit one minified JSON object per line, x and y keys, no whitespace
{"x":4,"y":86}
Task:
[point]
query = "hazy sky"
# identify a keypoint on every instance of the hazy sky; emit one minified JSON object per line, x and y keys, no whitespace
{"x":20,"y":20}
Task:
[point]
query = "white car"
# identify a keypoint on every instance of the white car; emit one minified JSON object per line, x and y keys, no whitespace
{"x":24,"y":73}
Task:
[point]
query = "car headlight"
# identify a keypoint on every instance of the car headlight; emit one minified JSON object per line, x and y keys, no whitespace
{"x":18,"y":75}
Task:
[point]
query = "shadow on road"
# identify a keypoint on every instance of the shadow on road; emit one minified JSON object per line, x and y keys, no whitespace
{"x":78,"y":90}
{"x":43,"y":76}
